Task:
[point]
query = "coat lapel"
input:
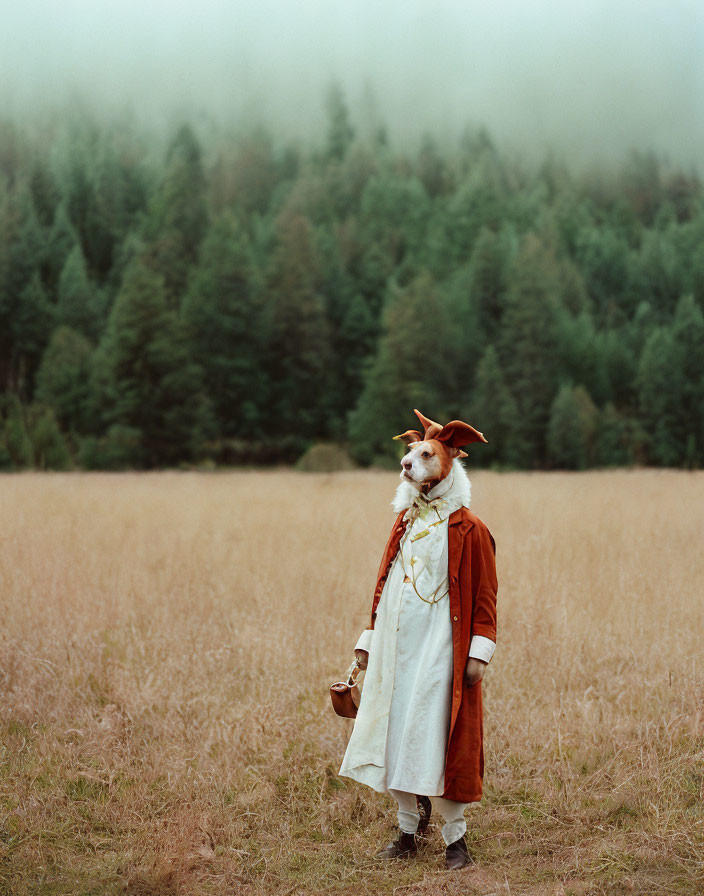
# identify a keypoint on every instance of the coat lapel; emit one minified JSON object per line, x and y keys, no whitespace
{"x":457,"y":527}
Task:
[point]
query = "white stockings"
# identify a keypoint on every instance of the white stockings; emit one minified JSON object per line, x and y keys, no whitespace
{"x":453,"y":814}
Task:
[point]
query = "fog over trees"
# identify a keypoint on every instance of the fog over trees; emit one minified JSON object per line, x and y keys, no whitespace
{"x":588,"y":80}
{"x":229,"y":279}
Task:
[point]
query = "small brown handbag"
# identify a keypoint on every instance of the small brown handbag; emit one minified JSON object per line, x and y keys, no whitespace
{"x":345,"y":694}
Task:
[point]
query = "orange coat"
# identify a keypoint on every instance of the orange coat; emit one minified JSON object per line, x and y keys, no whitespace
{"x":472,"y":605}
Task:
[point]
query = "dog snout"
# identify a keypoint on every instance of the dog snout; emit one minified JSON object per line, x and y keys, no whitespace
{"x":406,"y":464}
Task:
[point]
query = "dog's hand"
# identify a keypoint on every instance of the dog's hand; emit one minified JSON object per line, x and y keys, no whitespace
{"x":474,"y":671}
{"x":362,"y":658}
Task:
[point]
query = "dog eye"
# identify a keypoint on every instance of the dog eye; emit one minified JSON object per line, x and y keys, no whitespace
{"x":426,"y":454}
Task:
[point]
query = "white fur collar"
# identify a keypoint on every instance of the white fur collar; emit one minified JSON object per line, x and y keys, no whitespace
{"x":455,"y":488}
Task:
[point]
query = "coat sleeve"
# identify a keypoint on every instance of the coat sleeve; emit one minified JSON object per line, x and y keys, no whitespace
{"x":484,"y":583}
{"x":365,"y":640}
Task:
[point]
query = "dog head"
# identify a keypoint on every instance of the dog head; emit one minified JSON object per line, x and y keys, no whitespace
{"x":431,"y":453}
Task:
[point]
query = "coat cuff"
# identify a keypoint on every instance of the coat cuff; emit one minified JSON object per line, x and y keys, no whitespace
{"x":481,"y":648}
{"x":365,"y":640}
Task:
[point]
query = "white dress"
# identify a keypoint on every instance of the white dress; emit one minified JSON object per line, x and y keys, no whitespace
{"x":399,"y":738}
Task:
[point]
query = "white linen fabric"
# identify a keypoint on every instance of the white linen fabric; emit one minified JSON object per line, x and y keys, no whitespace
{"x":399,"y":738}
{"x":365,"y":640}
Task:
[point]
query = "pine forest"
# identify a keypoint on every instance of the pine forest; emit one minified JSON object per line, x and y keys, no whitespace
{"x":230,"y":298}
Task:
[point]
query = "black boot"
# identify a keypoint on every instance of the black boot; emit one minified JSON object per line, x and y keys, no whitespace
{"x":457,"y":855}
{"x":403,"y":847}
{"x":424,"y":809}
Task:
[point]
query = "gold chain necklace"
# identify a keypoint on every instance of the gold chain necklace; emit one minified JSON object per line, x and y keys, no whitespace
{"x":433,"y":599}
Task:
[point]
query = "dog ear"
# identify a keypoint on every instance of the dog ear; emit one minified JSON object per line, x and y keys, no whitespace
{"x":456,"y":433}
{"x":430,"y":426}
{"x":410,"y":436}
{"x":425,"y":421}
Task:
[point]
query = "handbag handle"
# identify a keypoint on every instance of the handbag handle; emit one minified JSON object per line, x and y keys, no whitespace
{"x":353,"y":673}
{"x":343,"y":693}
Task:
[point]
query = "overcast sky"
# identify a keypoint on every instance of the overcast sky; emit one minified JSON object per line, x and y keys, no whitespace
{"x":584,"y":78}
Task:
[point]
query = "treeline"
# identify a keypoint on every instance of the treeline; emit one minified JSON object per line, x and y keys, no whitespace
{"x":235,"y":300}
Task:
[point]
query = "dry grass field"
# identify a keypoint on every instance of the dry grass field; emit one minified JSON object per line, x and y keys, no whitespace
{"x":167,"y":642}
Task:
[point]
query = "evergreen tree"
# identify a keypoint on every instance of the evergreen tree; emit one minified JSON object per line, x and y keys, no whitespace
{"x":581,"y":358}
{"x":43,"y":189}
{"x":619,"y":363}
{"x":602,"y":256}
{"x":528,"y":346}
{"x":145,"y":381}
{"x":411,"y":369}
{"x":355,"y":345}
{"x":344,"y":183}
{"x":688,"y":333}
{"x":119,"y":448}
{"x":63,"y":378}
{"x":573,"y":217}
{"x":641,"y":183}
{"x":340,"y":130}
{"x":394,"y":211}
{"x":466,"y":336}
{"x":79,"y":305}
{"x":5,"y":459}
{"x":660,"y":379}
{"x":16,"y":441}
{"x":493,"y":410}
{"x":32,"y":324}
{"x":654,"y":275}
{"x":476,"y":203}
{"x":178,"y":215}
{"x":225,"y":317}
{"x":489,"y":267}
{"x":336,"y":285}
{"x":694,"y":276}
{"x":21,"y":257}
{"x":61,"y":240}
{"x":77,"y":160}
{"x":49,"y":447}
{"x":28,"y":247}
{"x":572,"y":428}
{"x":299,"y":357}
{"x":612,"y":447}
{"x":373,"y":277}
{"x":118,"y":195}
{"x":7,"y":303}
{"x":433,"y":170}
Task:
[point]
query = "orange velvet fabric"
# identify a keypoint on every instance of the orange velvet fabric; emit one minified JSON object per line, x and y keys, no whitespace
{"x":472,"y":607}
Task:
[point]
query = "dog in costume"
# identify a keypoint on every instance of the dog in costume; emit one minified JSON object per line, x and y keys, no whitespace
{"x":418,"y":731}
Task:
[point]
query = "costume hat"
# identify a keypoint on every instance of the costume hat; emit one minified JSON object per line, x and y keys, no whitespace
{"x":454,"y":434}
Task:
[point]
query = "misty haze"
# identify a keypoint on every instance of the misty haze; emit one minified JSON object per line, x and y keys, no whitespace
{"x":589,"y":80}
